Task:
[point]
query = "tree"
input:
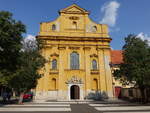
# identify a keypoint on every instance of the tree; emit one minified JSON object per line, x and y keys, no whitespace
{"x":20,"y":60}
{"x":135,"y":67}
{"x":27,"y":75}
{"x":10,"y":44}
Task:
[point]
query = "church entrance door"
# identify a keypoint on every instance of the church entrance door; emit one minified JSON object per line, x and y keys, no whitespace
{"x":75,"y":92}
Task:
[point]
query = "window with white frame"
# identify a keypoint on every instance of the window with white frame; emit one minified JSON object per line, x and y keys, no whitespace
{"x":94,"y":64}
{"x":54,"y":64}
{"x":74,"y":60}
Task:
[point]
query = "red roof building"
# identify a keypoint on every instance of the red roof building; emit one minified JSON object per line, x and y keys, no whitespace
{"x":116,"y":57}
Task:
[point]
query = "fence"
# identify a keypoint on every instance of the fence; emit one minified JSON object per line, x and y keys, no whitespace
{"x":134,"y":94}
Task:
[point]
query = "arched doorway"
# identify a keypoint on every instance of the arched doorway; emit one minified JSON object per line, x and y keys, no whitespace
{"x":75,"y":92}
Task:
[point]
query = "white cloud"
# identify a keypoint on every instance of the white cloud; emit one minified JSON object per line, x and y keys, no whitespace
{"x":110,"y":13}
{"x":29,"y":38}
{"x":144,"y":37}
{"x":29,"y":43}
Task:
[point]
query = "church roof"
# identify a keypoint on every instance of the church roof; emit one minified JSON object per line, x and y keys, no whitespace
{"x":116,"y":56}
{"x":74,"y":8}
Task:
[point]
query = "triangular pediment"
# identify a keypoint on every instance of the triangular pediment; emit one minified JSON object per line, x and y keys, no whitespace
{"x":74,"y":9}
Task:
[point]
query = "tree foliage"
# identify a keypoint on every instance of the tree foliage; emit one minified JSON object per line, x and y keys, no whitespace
{"x":27,"y":75}
{"x":20,"y":61}
{"x":136,"y":57}
{"x":10,"y":45}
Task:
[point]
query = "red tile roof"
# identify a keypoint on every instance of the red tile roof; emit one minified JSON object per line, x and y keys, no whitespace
{"x":116,"y":56}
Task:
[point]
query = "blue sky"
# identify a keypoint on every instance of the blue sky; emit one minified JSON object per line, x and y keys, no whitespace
{"x":129,"y":16}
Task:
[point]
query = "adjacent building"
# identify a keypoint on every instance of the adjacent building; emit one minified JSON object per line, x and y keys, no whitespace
{"x":120,"y":88}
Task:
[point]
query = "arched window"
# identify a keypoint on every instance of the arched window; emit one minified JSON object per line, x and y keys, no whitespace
{"x":95,"y":84}
{"x":54,"y":64}
{"x":94,"y":64}
{"x":74,"y":60}
{"x":53,"y":84}
{"x":94,"y":29}
{"x":74,"y":25}
{"x":53,"y":27}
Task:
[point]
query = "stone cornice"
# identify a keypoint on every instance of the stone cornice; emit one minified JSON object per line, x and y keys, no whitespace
{"x":87,"y":48}
{"x":74,"y":48}
{"x":67,"y":38}
{"x":52,"y":71}
{"x":47,"y":46}
{"x":75,"y":70}
{"x":62,"y":48}
{"x":94,"y":71}
{"x":103,"y":47}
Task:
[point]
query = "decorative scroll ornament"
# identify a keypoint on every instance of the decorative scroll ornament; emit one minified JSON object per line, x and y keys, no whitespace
{"x":74,"y":80}
{"x":54,"y":54}
{"x":93,"y":55}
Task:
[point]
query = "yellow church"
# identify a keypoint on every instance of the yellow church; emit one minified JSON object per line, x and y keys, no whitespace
{"x":77,"y":51}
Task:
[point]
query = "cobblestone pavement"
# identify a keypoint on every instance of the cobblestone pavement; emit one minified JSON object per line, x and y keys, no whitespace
{"x":75,"y":107}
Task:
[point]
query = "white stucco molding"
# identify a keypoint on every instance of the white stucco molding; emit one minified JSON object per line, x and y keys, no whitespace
{"x":75,"y":81}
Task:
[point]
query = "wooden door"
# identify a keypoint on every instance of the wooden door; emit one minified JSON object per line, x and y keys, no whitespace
{"x":75,"y":92}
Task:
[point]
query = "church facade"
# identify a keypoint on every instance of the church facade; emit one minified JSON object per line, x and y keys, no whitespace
{"x":77,"y":51}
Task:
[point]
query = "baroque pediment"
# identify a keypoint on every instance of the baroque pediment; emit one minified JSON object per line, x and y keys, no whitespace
{"x":74,"y":9}
{"x":54,"y":54}
{"x":93,"y":55}
{"x":74,"y":80}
